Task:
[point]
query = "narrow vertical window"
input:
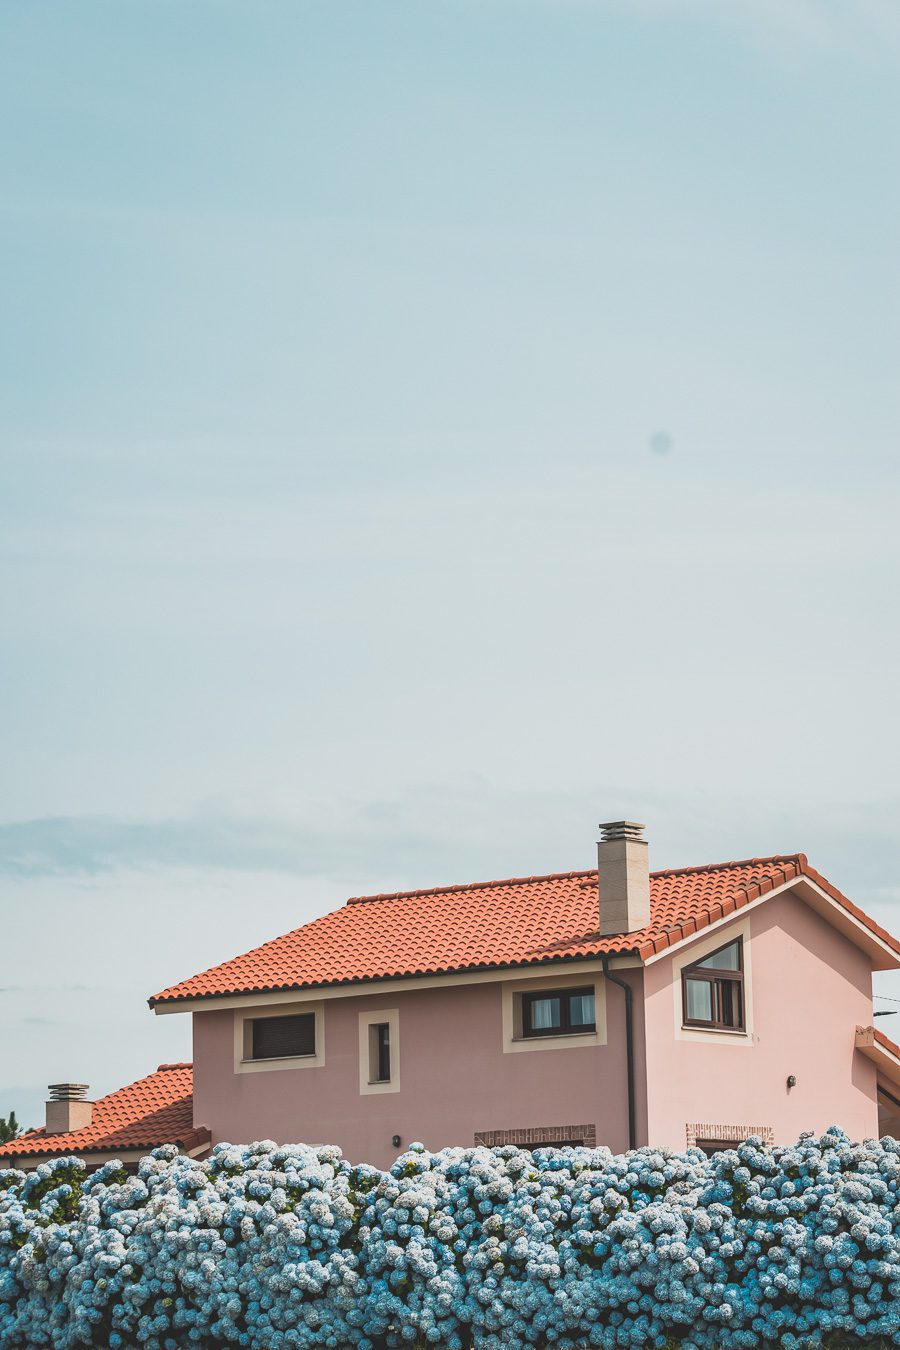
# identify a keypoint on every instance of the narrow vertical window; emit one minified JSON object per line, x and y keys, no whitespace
{"x":380,"y":1052}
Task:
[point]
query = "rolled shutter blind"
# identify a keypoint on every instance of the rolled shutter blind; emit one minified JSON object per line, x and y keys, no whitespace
{"x":276,"y":1037}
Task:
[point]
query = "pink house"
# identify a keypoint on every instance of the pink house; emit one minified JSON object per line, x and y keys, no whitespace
{"x":615,"y":1006}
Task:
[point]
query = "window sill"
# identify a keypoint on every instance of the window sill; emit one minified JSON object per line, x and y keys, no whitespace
{"x":590,"y":1032}
{"x":277,"y":1059}
{"x":716,"y":1031}
{"x":279,"y":1064}
{"x":379,"y":1087}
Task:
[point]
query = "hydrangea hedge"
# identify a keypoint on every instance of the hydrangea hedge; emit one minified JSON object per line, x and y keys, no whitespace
{"x":277,"y":1248}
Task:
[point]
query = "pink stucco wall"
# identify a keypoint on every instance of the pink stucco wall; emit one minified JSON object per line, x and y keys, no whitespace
{"x":455,"y":1078}
{"x":810,"y":988}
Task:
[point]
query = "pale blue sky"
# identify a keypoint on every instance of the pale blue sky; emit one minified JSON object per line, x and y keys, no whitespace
{"x":335,"y":342}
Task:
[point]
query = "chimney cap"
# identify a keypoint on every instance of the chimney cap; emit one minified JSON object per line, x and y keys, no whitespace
{"x":621,"y":829}
{"x":68,"y":1092}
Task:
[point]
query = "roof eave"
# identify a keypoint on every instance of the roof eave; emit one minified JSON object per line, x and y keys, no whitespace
{"x":883,"y":1053}
{"x":882,"y":948}
{"x":189,"y":1142}
{"x":335,"y":988}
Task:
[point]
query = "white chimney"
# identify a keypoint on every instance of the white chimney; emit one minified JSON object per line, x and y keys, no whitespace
{"x":67,"y":1108}
{"x":623,"y":877}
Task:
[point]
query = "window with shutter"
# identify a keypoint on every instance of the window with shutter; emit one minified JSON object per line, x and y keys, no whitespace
{"x":283,"y":1037}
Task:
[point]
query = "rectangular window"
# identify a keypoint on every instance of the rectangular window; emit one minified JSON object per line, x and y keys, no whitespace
{"x":380,"y":1052}
{"x":713,"y":990}
{"x":558,"y":1012}
{"x":282,"y":1037}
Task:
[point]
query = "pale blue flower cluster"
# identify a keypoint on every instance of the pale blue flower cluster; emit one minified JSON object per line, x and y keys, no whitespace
{"x":288,"y":1248}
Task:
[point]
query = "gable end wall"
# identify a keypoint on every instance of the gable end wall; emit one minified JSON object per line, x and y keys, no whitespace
{"x":810,"y":987}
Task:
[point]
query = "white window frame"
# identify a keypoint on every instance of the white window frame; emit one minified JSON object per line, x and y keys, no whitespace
{"x":513,"y":1040}
{"x":243,"y":1032}
{"x":368,"y":1088}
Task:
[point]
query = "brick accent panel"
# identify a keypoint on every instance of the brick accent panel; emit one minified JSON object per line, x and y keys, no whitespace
{"x":728,"y":1134}
{"x":538,"y":1135}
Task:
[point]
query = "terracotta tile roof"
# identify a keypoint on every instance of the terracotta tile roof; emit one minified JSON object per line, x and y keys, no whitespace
{"x":158,"y":1109}
{"x":492,"y":925}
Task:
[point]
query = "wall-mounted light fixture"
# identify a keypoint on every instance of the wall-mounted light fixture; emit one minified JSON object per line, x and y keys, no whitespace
{"x":791,"y":1081}
{"x":395,"y":1140}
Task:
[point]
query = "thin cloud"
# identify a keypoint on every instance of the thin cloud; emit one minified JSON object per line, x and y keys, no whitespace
{"x":433,"y":835}
{"x":90,"y":846}
{"x":429,"y":831}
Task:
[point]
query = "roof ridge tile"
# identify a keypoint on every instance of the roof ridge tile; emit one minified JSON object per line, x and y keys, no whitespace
{"x":565,"y":876}
{"x":469,"y":886}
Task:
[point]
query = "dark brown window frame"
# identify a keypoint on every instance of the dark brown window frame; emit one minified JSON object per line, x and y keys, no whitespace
{"x":382,"y":1056}
{"x":714,"y":977}
{"x":565,"y":1028}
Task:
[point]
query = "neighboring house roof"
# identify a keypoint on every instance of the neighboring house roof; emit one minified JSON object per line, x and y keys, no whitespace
{"x":158,"y":1109}
{"x":494,"y":925}
{"x":883,"y":1052}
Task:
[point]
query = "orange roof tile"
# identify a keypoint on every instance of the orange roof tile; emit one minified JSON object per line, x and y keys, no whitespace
{"x":492,"y":925}
{"x":158,"y":1109}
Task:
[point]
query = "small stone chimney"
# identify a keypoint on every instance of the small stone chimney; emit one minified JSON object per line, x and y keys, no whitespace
{"x":68,"y":1108}
{"x":623,"y":877}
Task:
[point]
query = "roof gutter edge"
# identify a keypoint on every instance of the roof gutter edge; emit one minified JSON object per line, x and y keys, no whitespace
{"x":351,"y":988}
